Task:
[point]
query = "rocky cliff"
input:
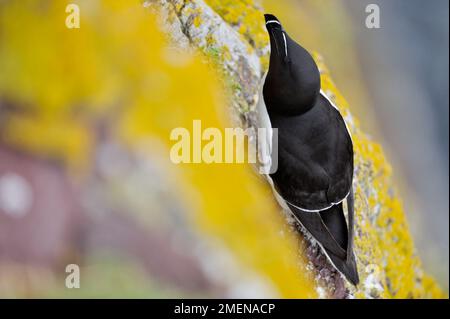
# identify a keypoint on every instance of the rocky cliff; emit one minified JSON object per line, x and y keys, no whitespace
{"x":85,"y":176}
{"x":234,"y":32}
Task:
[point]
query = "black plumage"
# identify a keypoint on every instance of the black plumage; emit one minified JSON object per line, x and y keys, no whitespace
{"x":315,"y":150}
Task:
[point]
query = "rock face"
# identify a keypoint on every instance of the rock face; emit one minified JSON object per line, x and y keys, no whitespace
{"x":196,"y":24}
{"x":233,"y":33}
{"x":137,"y":223}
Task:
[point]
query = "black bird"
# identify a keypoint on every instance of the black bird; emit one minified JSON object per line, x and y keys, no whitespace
{"x":315,"y":149}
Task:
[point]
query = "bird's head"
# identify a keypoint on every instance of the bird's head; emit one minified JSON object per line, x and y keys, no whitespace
{"x":293,"y":81}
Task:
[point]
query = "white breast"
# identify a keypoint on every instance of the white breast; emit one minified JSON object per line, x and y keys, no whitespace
{"x":264,"y":136}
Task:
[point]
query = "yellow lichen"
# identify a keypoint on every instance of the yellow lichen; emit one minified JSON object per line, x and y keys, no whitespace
{"x":117,"y":70}
{"x":384,"y":245}
{"x":383,"y":239}
{"x":247,"y":17}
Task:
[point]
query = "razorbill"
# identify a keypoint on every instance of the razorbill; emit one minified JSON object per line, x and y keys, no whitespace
{"x":315,"y":149}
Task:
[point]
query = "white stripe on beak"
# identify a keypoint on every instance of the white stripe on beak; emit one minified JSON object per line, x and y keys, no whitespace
{"x":273,"y":21}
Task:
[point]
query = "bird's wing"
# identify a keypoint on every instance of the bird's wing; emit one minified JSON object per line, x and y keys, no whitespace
{"x":326,"y":223}
{"x":316,"y":226}
{"x":322,"y":93}
{"x":315,"y":162}
{"x":330,"y":231}
{"x":330,"y":179}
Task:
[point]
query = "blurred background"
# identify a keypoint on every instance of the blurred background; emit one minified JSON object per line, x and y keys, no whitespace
{"x":84,"y":120}
{"x":405,"y":69}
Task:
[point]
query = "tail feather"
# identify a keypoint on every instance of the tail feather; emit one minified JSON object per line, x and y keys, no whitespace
{"x":316,"y":226}
{"x":329,"y":228}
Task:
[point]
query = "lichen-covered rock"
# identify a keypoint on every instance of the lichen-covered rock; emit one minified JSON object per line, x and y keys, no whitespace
{"x":97,"y":106}
{"x":387,"y":261}
{"x":197,"y":24}
{"x":169,"y":229}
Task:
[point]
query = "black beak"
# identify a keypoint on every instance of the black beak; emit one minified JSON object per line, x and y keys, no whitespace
{"x":277,"y":37}
{"x":270,"y":17}
{"x":272,"y":22}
